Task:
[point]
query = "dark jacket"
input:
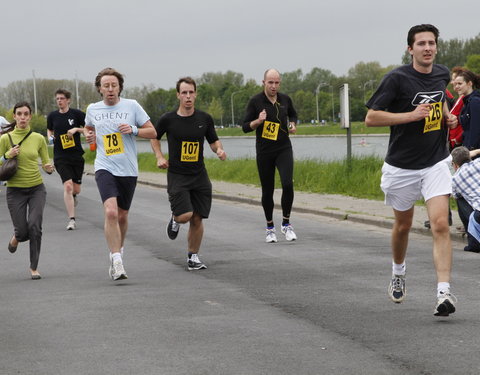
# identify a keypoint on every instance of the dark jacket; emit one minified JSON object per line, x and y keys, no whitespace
{"x":470,"y":120}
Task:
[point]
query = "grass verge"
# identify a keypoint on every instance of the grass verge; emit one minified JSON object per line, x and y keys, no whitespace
{"x":360,"y":179}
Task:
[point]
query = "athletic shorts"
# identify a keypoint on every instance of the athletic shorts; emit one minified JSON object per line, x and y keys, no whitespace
{"x":70,"y":170}
{"x":111,"y":186}
{"x":190,"y":193}
{"x":403,"y":187}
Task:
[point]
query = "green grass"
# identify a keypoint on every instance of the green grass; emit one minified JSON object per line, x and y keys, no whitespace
{"x":307,"y":129}
{"x":360,"y":179}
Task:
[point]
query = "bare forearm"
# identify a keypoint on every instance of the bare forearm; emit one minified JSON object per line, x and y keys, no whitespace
{"x":384,"y":118}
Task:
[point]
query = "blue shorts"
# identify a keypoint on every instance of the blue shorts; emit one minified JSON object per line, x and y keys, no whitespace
{"x":110,"y":186}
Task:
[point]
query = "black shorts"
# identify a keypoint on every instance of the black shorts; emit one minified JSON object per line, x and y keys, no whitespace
{"x":110,"y":186}
{"x":70,"y":169}
{"x":190,"y":193}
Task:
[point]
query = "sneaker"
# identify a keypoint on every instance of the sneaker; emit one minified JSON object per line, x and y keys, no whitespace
{"x":287,"y":230}
{"x":194,"y":263}
{"x":172,"y":229}
{"x":397,"y":290}
{"x":117,"y":271}
{"x":71,"y":225}
{"x":445,"y":304}
{"x":271,"y":236}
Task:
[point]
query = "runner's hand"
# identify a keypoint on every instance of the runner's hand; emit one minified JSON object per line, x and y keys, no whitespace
{"x":421,"y":111}
{"x":162,"y":163}
{"x":222,"y":155}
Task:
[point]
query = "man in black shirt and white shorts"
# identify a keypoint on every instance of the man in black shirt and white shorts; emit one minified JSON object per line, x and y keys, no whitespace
{"x":64,"y":127}
{"x":189,"y":187}
{"x":411,"y":100}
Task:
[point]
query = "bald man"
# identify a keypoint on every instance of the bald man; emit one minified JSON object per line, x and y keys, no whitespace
{"x":272,"y":116}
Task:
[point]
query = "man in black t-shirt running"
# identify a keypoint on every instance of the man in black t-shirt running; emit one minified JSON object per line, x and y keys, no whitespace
{"x":411,"y":100}
{"x":273,"y":118}
{"x":189,"y":187}
{"x":64,"y":127}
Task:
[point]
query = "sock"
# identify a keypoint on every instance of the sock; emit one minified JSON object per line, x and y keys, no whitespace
{"x":116,"y":257}
{"x":270,"y":225}
{"x":286,"y":221}
{"x":189,"y":255}
{"x":443,"y":287}
{"x":121,"y":251}
{"x":72,"y":218}
{"x":399,"y":269}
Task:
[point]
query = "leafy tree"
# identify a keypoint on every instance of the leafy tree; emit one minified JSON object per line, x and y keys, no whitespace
{"x":473,"y":63}
{"x":315,"y":77}
{"x":160,"y":101}
{"x":45,"y":88}
{"x":216,"y":111}
{"x":292,"y":81}
{"x":305,"y":105}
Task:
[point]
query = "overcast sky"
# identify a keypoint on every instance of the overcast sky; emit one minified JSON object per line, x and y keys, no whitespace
{"x":156,"y":42}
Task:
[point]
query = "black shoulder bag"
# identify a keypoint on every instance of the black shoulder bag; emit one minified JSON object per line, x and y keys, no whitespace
{"x":10,"y":166}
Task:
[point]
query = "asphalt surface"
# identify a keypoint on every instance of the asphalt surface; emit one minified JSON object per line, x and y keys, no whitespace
{"x":314,"y":306}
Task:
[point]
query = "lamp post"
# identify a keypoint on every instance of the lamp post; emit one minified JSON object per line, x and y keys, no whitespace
{"x":320,"y":85}
{"x":364,"y":86}
{"x":231,"y":103}
{"x":333,"y":109}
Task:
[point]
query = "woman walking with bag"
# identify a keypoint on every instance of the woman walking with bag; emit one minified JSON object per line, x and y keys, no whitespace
{"x":26,"y":193}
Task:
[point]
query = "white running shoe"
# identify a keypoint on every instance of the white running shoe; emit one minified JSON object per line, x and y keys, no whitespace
{"x":271,"y":236}
{"x":194,"y":263}
{"x":397,"y":289}
{"x":117,"y":271}
{"x":71,"y":225}
{"x":445,"y":304}
{"x":287,"y":230}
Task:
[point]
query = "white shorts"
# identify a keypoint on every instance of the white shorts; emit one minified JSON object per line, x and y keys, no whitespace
{"x":403,"y":187}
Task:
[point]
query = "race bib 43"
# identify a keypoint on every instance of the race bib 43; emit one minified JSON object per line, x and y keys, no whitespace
{"x":270,"y":130}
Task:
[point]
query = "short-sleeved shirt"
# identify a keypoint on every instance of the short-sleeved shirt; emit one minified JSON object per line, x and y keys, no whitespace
{"x":272,"y":135}
{"x":60,"y":123}
{"x":418,"y":144}
{"x":185,"y":136}
{"x":466,"y":183}
{"x":116,"y":152}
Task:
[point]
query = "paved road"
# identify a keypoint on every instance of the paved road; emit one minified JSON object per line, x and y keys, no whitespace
{"x":314,"y":306}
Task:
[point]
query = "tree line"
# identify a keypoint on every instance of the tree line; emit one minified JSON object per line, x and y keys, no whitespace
{"x":225,"y":95}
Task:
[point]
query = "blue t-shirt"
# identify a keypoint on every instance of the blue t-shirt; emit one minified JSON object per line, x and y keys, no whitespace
{"x":116,"y":152}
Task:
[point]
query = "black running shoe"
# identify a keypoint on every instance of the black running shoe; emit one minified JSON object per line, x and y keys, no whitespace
{"x":172,"y":229}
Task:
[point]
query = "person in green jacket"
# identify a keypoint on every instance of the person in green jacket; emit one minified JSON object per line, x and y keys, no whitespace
{"x":26,"y":194}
